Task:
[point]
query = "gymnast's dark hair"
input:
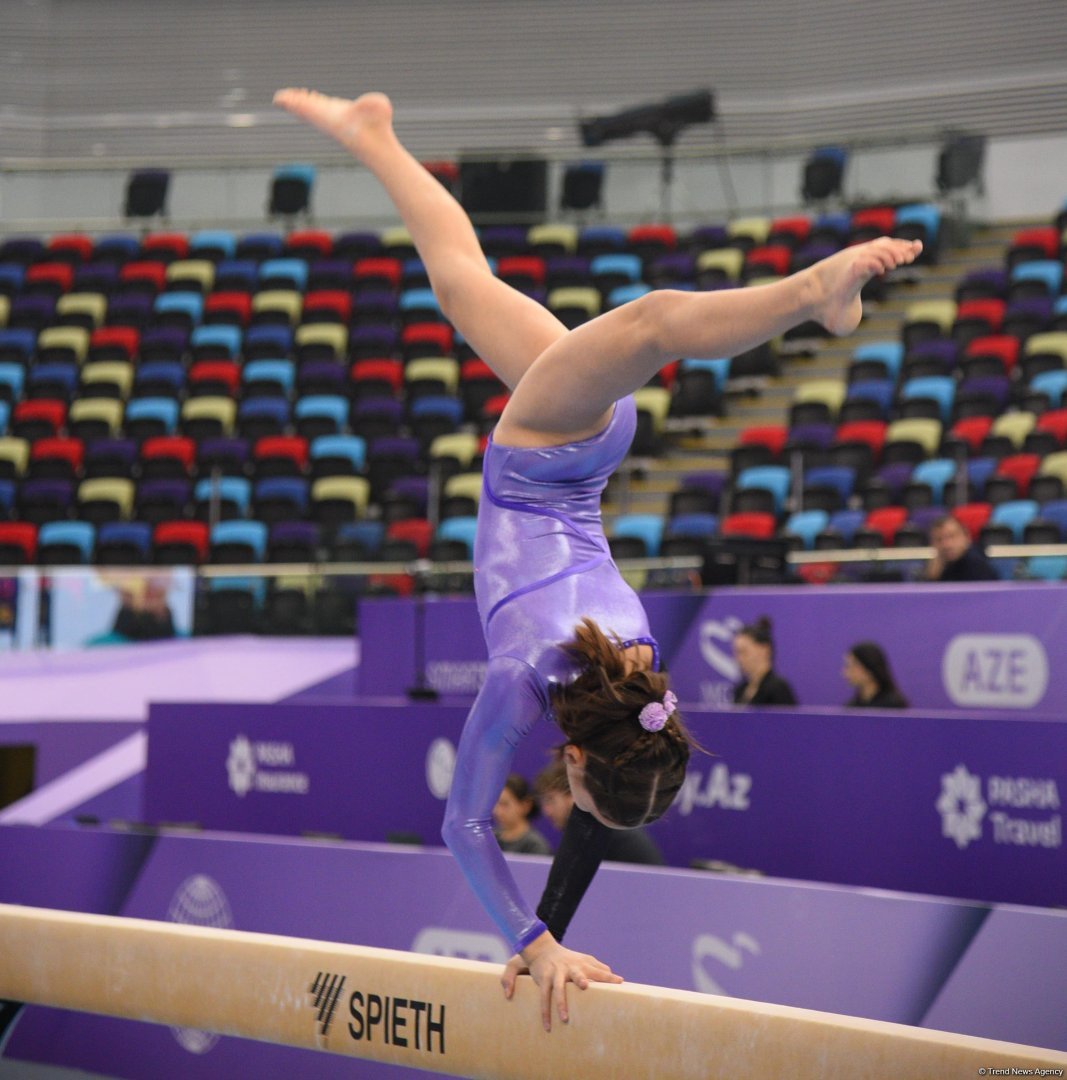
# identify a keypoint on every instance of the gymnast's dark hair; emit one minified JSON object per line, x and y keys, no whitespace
{"x":759,"y":632}
{"x":631,"y":774}
{"x":872,"y":657}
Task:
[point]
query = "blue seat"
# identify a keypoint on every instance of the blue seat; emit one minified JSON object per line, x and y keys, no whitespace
{"x":1059,"y":306}
{"x":1016,"y":514}
{"x":695,"y":525}
{"x":846,"y":523}
{"x":7,"y":496}
{"x":462,"y":529}
{"x":888,"y":353}
{"x":938,"y":388}
{"x":268,"y":342}
{"x":879,"y":391}
{"x":368,"y":534}
{"x":1047,"y":567}
{"x":773,"y":478}
{"x":76,"y":534}
{"x":217,"y":244}
{"x":5,"y":416}
{"x":236,"y":275}
{"x":165,"y":410}
{"x":1047,"y":271}
{"x":323,"y":406}
{"x":1055,"y":511}
{"x":159,"y":377}
{"x":1051,"y":383}
{"x":807,"y":524}
{"x":979,"y":470}
{"x":116,"y":247}
{"x":11,"y":277}
{"x":124,"y":534}
{"x":352,"y":448}
{"x":413,"y":272}
{"x":925,"y":214}
{"x":17,"y":344}
{"x":12,"y":378}
{"x":283,"y":273}
{"x":602,"y":236}
{"x":259,"y":246}
{"x":180,"y":303}
{"x":269,"y":412}
{"x":645,"y":527}
{"x":841,"y":478}
{"x":439,"y":405}
{"x":59,"y":379}
{"x":621,"y":265}
{"x":231,"y":489}
{"x":719,"y":367}
{"x":252,"y":534}
{"x":935,"y":473}
{"x":292,"y":490}
{"x":623,"y":294}
{"x":217,"y":340}
{"x":278,"y":373}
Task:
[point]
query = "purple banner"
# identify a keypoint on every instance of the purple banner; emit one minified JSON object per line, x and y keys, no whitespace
{"x":879,"y":955}
{"x":951,"y":647}
{"x":947,"y":804}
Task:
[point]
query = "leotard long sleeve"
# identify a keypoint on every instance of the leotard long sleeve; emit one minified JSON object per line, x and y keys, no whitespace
{"x":541,"y":563}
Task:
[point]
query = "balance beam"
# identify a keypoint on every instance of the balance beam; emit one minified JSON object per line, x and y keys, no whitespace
{"x":450,"y":1016}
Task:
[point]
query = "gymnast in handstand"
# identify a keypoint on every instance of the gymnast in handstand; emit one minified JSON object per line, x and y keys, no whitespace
{"x":567,"y":638}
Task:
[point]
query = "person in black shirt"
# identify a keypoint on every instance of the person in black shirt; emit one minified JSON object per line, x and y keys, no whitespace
{"x":754,"y":653}
{"x":867,"y":671}
{"x":956,"y":558}
{"x":511,"y":819}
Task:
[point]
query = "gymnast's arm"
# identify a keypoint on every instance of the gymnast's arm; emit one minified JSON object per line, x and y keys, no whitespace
{"x":580,"y":853}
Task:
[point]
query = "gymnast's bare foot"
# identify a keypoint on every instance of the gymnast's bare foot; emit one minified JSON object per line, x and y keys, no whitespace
{"x":352,"y":123}
{"x":838,"y":280}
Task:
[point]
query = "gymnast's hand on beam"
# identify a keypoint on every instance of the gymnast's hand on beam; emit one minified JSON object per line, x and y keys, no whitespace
{"x":552,"y":967}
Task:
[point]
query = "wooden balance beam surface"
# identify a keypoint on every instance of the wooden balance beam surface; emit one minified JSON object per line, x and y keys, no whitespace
{"x":450,"y":1016}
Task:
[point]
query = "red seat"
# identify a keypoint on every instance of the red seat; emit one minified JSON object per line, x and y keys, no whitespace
{"x":18,"y":535}
{"x":44,"y":410}
{"x":72,"y":451}
{"x":791,"y":230}
{"x":772,"y":436}
{"x":220,"y":371}
{"x":756,"y":525}
{"x":236,"y":305}
{"x":74,"y":247}
{"x":972,"y":430}
{"x":446,"y":172}
{"x":1055,"y":421}
{"x":292,"y":447}
{"x":1044,"y":241}
{"x":973,"y":516}
{"x":385,"y":270}
{"x":770,"y":258}
{"x":668,"y":373}
{"x":335,"y":301}
{"x":492,"y":409}
{"x":379,"y":371}
{"x":663,"y":237}
{"x":192,"y":534}
{"x":168,"y":246}
{"x":1004,"y":347}
{"x":524,"y":269}
{"x":885,"y":521}
{"x":426,"y":339}
{"x":987,"y":310}
{"x":871,"y":432}
{"x":1021,"y":468}
{"x":123,"y":339}
{"x":153,"y":272}
{"x":880,"y":219}
{"x":60,"y":275}
{"x":317,"y":240}
{"x":416,"y":530}
{"x":178,"y":447}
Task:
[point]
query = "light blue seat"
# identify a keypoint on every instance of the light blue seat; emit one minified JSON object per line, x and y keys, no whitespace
{"x":1051,"y":383}
{"x":419,"y":300}
{"x":841,"y":478}
{"x":888,"y":353}
{"x":439,"y":405}
{"x":5,"y":416}
{"x":645,"y":527}
{"x":297,"y":172}
{"x":461,"y":529}
{"x":369,"y":534}
{"x":719,"y":367}
{"x":617,"y":265}
{"x":323,"y":406}
{"x":183,"y":303}
{"x":232,"y":489}
{"x":696,"y":525}
{"x":938,"y":388}
{"x":1016,"y":514}
{"x":935,"y":473}
{"x":846,"y":523}
{"x":623,"y":294}
{"x":251,"y":533}
{"x":807,"y":524}
{"x":217,"y":337}
{"x":925,"y":214}
{"x":1047,"y":271}
{"x":78,"y":534}
{"x":284,"y":273}
{"x":13,"y":376}
{"x":1059,"y":306}
{"x":773,"y":478}
{"x":1047,"y":567}
{"x":208,"y":243}
{"x":279,"y":373}
{"x":350,"y":447}
{"x":165,"y":410}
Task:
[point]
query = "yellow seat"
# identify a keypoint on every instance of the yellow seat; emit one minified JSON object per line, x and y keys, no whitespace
{"x":112,"y":373}
{"x":756,"y":229}
{"x":287,"y":301}
{"x":1015,"y":425}
{"x":940,"y":312}
{"x":86,"y":412}
{"x":435,"y":368}
{"x":1053,"y":343}
{"x":200,"y":271}
{"x":74,"y":339}
{"x":461,"y":445}
{"x":396,"y":237}
{"x":5,"y":310}
{"x":575,"y":297}
{"x":354,"y":489}
{"x":656,"y":401}
{"x":564,"y":237}
{"x":92,"y":306}
{"x":15,"y":453}
{"x":332,"y":335}
{"x":108,"y":489}
{"x":726,"y":261}
{"x":831,"y":392}
{"x":467,"y":485}
{"x":222,"y":409}
{"x":765,"y":279}
{"x":925,"y":432}
{"x":1052,"y":465}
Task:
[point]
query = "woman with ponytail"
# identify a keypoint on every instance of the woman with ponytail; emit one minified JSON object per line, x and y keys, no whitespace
{"x":567,"y":637}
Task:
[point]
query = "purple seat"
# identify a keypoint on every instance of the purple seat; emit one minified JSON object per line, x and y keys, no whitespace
{"x":375,"y":417}
{"x":321,"y":377}
{"x":672,"y":269}
{"x":357,"y":245}
{"x":375,"y":306}
{"x":413,"y":488}
{"x":96,"y":277}
{"x":818,"y":435}
{"x":708,"y":237}
{"x":162,"y":500}
{"x":229,"y":455}
{"x":110,"y":457}
{"x":996,"y":387}
{"x":131,"y":310}
{"x":293,"y":541}
{"x":988,"y":282}
{"x":389,"y":458}
{"x":563,"y":270}
{"x":712,"y":482}
{"x":31,"y":312}
{"x":1027,"y":315}
{"x":330,"y":274}
{"x":924,"y":516}
{"x":21,"y":249}
{"x":810,"y":254}
{"x":503,"y":240}
{"x":895,"y":477}
{"x":941,"y":350}
{"x":44,"y":500}
{"x":163,"y":343}
{"x":365,"y":342}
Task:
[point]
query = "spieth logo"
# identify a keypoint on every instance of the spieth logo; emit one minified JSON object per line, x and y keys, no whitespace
{"x":961,"y":806}
{"x":241,"y":766}
{"x":325,"y":992}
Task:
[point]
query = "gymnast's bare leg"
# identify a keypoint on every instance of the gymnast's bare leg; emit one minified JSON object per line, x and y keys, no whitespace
{"x":565,"y":383}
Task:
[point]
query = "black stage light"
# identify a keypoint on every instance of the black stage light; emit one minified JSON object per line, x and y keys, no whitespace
{"x":662,"y":120}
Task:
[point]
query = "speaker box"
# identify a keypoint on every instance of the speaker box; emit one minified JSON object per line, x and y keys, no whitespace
{"x":506,"y":186}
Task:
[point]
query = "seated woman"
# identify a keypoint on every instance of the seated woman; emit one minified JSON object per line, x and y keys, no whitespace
{"x":754,"y":653}
{"x":867,"y":671}
{"x":511,"y":816}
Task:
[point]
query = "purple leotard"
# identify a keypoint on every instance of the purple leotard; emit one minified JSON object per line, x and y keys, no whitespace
{"x":541,"y":563}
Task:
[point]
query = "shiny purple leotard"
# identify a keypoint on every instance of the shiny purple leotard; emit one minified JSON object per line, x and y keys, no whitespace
{"x":541,"y":563}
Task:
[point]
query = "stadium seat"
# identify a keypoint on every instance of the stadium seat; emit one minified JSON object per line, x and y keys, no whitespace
{"x":222,"y":498}
{"x":337,"y":499}
{"x":177,"y":543}
{"x":162,"y":500}
{"x":754,"y":525}
{"x":1016,"y":515}
{"x":459,"y":529}
{"x":280,"y":498}
{"x":280,"y":455}
{"x":18,"y":543}
{"x":105,"y":499}
{"x":774,"y":479}
{"x":123,"y":543}
{"x":206,"y":417}
{"x":65,"y":543}
{"x":806,"y":526}
{"x":152,"y":416}
{"x":647,"y":528}
{"x":57,"y":459}
{"x":237,"y":542}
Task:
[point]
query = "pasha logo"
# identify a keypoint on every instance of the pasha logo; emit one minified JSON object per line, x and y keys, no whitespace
{"x":264,"y":766}
{"x":440,"y":764}
{"x":725,"y":954}
{"x":460,"y":945}
{"x":961,"y":806}
{"x":995,"y":670}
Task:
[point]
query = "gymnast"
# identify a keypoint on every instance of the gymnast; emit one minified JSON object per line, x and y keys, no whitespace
{"x":567,"y":638}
